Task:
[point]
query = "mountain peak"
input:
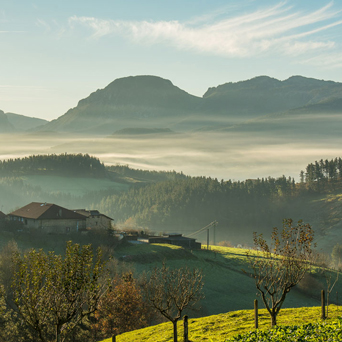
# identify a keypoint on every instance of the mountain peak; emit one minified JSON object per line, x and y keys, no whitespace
{"x":137,"y":90}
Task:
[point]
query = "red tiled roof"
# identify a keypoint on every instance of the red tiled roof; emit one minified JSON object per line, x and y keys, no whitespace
{"x":46,"y":211}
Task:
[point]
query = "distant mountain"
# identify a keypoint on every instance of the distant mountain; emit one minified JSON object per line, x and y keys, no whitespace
{"x":5,"y":125}
{"x":24,"y":123}
{"x":308,"y":121}
{"x":150,"y":102}
{"x":140,"y":101}
{"x":263,"y":95}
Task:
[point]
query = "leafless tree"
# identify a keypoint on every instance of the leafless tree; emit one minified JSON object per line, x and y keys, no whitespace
{"x":171,"y":291}
{"x":329,"y":276}
{"x":280,"y":265}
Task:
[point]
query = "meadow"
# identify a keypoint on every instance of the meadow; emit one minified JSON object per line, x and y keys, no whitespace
{"x":228,"y":287}
{"x":222,"y":327}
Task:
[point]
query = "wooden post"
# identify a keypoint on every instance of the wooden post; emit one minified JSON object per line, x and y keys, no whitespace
{"x":323,"y":304}
{"x":114,"y":338}
{"x":256,"y":323}
{"x":186,"y":329}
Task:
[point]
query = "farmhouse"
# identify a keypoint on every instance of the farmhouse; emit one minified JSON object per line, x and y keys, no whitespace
{"x":47,"y":217}
{"x":95,"y":220}
{"x":176,"y":239}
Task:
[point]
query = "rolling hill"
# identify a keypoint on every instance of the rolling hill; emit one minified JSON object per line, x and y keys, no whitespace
{"x":227,"y":288}
{"x":220,"y":327}
{"x":24,"y":123}
{"x":5,"y":125}
{"x":10,"y":122}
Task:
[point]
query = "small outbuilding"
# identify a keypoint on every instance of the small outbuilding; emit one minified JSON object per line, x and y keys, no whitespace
{"x":95,"y":220}
{"x":176,"y":239}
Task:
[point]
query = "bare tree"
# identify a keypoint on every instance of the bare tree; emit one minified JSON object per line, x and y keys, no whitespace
{"x":53,"y":293}
{"x":171,"y":291}
{"x":329,"y":275}
{"x":279,"y":266}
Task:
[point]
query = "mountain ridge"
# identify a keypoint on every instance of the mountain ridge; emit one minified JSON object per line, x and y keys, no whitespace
{"x":147,"y":101}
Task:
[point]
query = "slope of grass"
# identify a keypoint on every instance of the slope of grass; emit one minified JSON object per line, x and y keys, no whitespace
{"x":227,"y":287}
{"x":218,"y":328}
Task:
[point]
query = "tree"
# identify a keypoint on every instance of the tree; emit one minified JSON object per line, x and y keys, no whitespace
{"x":171,"y":291}
{"x":53,"y":294}
{"x":336,"y":255}
{"x":279,"y":266}
{"x":122,"y":308}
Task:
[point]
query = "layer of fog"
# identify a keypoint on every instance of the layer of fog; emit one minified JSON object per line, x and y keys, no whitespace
{"x":229,"y":155}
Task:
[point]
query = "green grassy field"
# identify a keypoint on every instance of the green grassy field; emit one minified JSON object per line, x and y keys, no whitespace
{"x":227,"y":287}
{"x":218,"y":328}
{"x":76,"y":186}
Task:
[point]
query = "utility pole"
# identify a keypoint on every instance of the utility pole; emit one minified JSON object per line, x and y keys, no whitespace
{"x":208,"y":239}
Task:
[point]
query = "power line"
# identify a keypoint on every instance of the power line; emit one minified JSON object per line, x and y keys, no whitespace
{"x":204,"y":228}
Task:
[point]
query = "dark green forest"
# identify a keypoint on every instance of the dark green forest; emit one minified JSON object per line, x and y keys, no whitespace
{"x":81,"y":165}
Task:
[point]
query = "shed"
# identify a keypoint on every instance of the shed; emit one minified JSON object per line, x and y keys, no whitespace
{"x":176,"y":239}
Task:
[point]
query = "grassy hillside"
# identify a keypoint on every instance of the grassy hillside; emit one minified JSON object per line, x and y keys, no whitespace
{"x":227,"y":287}
{"x":220,"y":327}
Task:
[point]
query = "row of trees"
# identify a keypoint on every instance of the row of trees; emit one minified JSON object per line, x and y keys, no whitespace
{"x":49,"y":297}
{"x":322,"y":171}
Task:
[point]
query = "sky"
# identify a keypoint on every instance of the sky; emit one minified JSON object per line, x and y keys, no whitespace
{"x":54,"y":53}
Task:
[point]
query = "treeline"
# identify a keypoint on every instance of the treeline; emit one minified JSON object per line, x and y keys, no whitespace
{"x":81,"y":165}
{"x":319,"y":174}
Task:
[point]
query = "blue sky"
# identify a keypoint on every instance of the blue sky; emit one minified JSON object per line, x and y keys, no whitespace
{"x":53,"y":53}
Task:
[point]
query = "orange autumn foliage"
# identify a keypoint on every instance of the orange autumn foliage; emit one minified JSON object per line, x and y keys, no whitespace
{"x":122,"y":309}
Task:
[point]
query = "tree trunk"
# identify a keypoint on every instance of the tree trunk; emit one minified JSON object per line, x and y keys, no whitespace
{"x":273,"y":319}
{"x":58,"y":333}
{"x":175,"y":331}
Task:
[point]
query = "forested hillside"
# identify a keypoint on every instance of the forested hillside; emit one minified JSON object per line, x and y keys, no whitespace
{"x":173,"y":202}
{"x":63,"y":164}
{"x":240,"y":207}
{"x":191,"y":203}
{"x":70,"y":180}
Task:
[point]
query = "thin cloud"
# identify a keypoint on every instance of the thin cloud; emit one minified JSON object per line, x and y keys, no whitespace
{"x":325,"y":60}
{"x":277,"y":29}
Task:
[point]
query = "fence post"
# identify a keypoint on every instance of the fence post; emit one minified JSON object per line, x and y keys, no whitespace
{"x":256,"y":323}
{"x":114,"y":338}
{"x":186,"y":329}
{"x":323,"y":304}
